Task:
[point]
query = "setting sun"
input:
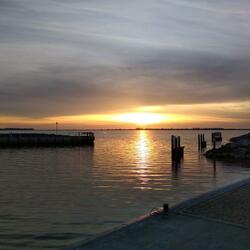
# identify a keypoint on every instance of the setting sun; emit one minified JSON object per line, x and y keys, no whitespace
{"x":141,"y":118}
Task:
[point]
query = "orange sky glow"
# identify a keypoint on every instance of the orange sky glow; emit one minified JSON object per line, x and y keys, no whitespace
{"x":196,"y":115}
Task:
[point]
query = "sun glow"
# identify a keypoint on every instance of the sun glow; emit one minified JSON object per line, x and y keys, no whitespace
{"x":186,"y":115}
{"x":141,"y":118}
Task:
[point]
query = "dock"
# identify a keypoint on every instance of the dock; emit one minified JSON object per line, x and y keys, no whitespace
{"x":216,"y":220}
{"x":45,"y":140}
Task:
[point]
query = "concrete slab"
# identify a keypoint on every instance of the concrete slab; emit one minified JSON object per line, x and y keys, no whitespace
{"x":232,"y":207}
{"x":219,"y":220}
{"x":174,"y":232}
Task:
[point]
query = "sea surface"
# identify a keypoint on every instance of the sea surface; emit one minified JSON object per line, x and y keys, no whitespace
{"x":53,"y":197}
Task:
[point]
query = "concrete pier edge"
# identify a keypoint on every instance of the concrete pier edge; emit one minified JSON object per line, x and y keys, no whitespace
{"x":178,"y":207}
{"x":210,"y":194}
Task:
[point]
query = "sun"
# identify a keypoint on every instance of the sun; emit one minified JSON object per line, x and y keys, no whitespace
{"x":140,"y":118}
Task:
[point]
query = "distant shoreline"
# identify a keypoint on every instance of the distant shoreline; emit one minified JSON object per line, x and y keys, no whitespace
{"x":13,"y":129}
{"x":125,"y":129}
{"x":166,"y":129}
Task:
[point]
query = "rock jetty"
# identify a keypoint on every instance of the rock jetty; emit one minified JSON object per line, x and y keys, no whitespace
{"x":238,"y":149}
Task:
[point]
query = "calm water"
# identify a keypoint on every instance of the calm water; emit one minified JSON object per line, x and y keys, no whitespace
{"x":54,"y":197}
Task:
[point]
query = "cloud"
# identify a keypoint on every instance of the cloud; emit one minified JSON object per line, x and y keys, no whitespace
{"x":60,"y":90}
{"x":75,"y":57}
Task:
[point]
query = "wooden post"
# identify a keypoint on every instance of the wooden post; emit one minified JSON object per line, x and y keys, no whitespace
{"x":172,"y":142}
{"x":201,"y":141}
{"x":177,"y":151}
{"x":165,"y":208}
{"x":178,"y":142}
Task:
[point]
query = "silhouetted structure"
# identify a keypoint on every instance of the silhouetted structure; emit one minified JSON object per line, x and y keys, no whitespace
{"x":177,"y":150}
{"x":17,"y":129}
{"x":216,"y":137}
{"x":45,"y":140}
{"x":201,"y":141}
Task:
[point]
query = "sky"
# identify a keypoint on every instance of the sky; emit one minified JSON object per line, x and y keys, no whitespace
{"x":115,"y":63}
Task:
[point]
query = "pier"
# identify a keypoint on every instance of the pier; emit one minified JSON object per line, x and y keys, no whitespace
{"x":46,"y":140}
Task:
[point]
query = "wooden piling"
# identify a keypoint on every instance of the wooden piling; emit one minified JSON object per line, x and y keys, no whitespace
{"x":201,"y":141}
{"x":172,"y":143}
{"x":165,"y":208}
{"x":178,"y":141}
{"x":177,"y":151}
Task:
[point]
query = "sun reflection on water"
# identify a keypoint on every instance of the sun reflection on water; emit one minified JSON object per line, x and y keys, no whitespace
{"x":142,"y":158}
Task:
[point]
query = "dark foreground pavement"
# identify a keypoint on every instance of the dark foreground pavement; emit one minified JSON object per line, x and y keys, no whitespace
{"x":220,"y":221}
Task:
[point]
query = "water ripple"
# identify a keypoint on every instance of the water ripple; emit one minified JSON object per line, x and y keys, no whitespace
{"x":52,"y":197}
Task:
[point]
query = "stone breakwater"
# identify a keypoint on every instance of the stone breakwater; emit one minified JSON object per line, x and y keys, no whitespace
{"x":238,"y":149}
